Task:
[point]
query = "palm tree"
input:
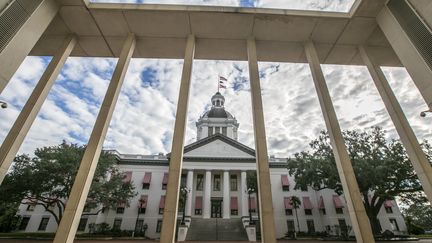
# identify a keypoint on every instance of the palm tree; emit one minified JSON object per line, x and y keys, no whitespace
{"x":295,"y":202}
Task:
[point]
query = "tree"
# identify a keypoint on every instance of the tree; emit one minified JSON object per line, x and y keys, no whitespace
{"x":383,"y":169}
{"x":295,"y":203}
{"x":419,"y":215}
{"x":47,"y":180}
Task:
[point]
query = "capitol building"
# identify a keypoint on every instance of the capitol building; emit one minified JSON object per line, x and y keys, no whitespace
{"x":218,"y":204}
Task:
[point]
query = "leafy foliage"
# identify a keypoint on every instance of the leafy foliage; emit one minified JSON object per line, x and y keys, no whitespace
{"x":382,"y":167}
{"x":47,"y":180}
{"x":419,"y":215}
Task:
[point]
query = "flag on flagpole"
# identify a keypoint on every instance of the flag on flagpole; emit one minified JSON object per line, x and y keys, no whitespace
{"x":222,"y":81}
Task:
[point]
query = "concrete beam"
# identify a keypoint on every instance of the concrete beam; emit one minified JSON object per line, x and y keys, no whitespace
{"x":80,"y":189}
{"x":20,"y":128}
{"x":268,"y":230}
{"x":25,"y":39}
{"x":360,"y":221}
{"x":417,"y":156}
{"x":176,"y":160}
{"x":407,"y":53}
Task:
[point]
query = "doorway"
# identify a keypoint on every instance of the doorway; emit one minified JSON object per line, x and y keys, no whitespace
{"x":216,"y":208}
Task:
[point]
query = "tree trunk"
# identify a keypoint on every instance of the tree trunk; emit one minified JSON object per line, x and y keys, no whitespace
{"x":375,"y":224}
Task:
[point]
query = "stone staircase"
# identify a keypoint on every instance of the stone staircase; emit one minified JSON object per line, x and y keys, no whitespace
{"x":216,"y":229}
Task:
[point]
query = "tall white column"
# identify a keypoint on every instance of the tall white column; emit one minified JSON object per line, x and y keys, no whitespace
{"x":25,"y":38}
{"x":244,"y":195}
{"x":417,"y":156}
{"x":226,"y":195}
{"x":72,"y":214}
{"x":19,"y":130}
{"x":189,"y":185}
{"x":407,"y":52}
{"x":176,"y":160}
{"x":207,"y":195}
{"x":268,"y":230}
{"x":358,"y":216}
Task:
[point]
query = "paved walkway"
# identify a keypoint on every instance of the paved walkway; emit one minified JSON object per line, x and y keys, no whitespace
{"x":141,"y":241}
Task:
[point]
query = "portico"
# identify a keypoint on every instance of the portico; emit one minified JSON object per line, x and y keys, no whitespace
{"x":372,"y":33}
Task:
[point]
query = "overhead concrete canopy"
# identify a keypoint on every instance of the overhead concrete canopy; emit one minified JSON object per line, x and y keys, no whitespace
{"x":161,"y":32}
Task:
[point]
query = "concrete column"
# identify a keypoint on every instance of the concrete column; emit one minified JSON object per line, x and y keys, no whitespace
{"x":244,"y":196}
{"x":359,"y":219}
{"x":189,"y":184}
{"x":407,"y":52}
{"x":268,"y":230}
{"x":417,"y":156}
{"x":19,"y":130}
{"x":207,"y":195}
{"x":72,"y":214}
{"x":176,"y":160}
{"x":226,"y":195}
{"x":24,"y":40}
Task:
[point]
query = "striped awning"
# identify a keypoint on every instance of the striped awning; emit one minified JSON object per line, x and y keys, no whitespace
{"x":142,"y":203}
{"x":307,"y":204}
{"x":165,"y":179}
{"x":287,"y":203}
{"x":284,"y":180}
{"x":252,"y":203}
{"x":388,"y":204}
{"x":321,"y":203}
{"x":162,"y":202}
{"x":147,"y":178}
{"x":198,"y":202}
{"x":234,"y":203}
{"x":337,"y":202}
{"x":128,"y":176}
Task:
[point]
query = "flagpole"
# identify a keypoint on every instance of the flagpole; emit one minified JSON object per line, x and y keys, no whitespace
{"x":218,"y":82}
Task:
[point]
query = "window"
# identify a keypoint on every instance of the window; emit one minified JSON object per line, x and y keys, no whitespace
{"x":285,"y":188}
{"x":343,"y":225}
{"x":308,"y":211}
{"x":43,"y":224}
{"x":394,"y":224}
{"x":216,"y":183}
{"x":288,"y":212}
{"x":117,"y":224}
{"x":161,"y":210}
{"x":183,"y":180}
{"x":139,"y":225}
{"x":339,"y":210}
{"x":210,"y":131}
{"x":290,"y":225}
{"x":82,"y":224}
{"x":310,"y":226}
{"x":388,"y":209}
{"x":142,"y":210}
{"x":224,"y":131}
{"x":323,"y":211}
{"x":31,"y":207}
{"x":233,"y":182}
{"x":120,"y":210}
{"x":24,"y":222}
{"x":217,"y":129}
{"x":200,"y":182}
{"x":198,"y":211}
{"x":159,"y":226}
{"x":234,"y":212}
{"x":146,"y":186}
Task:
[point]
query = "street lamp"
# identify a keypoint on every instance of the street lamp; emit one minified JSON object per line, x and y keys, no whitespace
{"x":249,"y":192}
{"x":423,"y":113}
{"x":184,"y":191}
{"x":141,"y":202}
{"x":3,"y":104}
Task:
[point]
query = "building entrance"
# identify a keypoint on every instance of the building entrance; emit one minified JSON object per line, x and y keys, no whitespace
{"x":216,"y":208}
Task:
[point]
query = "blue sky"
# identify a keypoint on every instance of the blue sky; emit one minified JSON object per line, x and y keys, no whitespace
{"x":320,"y":5}
{"x":144,"y":116}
